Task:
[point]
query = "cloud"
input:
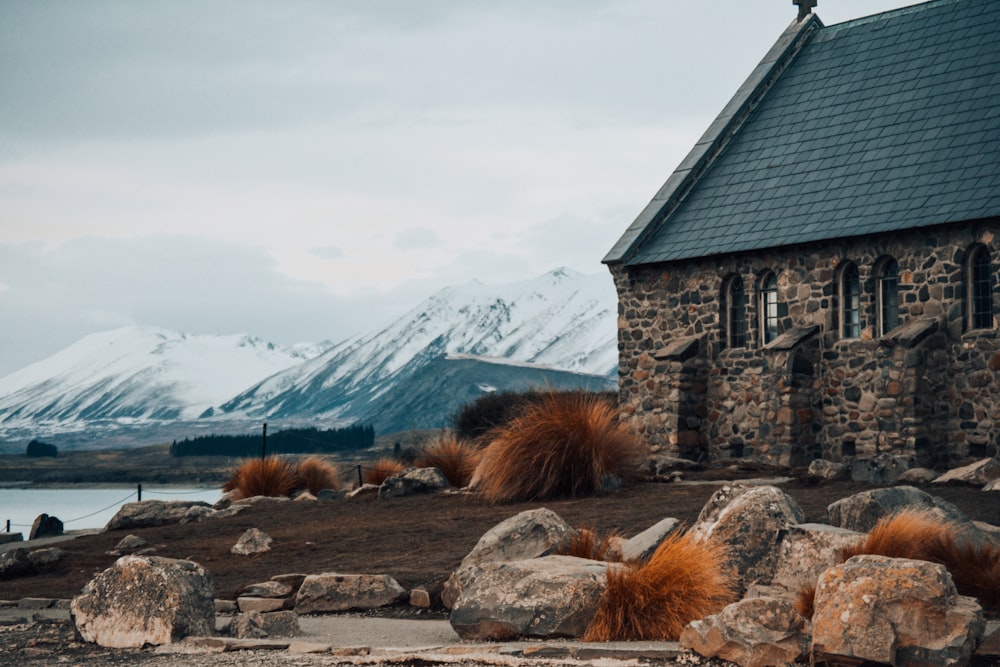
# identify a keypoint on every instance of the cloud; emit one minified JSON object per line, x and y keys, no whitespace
{"x":329,"y":252}
{"x":417,"y":238}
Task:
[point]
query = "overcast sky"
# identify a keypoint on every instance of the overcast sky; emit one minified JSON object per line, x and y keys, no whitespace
{"x":307,"y":170}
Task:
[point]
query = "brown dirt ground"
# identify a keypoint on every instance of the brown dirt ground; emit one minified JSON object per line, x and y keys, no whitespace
{"x":418,"y":540}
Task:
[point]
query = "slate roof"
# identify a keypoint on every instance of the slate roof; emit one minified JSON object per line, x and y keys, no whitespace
{"x":885,"y":123}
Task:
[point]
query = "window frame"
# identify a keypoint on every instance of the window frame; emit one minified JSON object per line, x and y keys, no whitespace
{"x":978,"y":289}
{"x":850,"y":301}
{"x":767,"y":308}
{"x":887,"y":295}
{"x":734,"y":312}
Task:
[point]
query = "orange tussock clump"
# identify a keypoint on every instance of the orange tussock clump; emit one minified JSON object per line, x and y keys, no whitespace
{"x":805,"y":602}
{"x":316,"y":474}
{"x":562,"y":446}
{"x":683,"y":581}
{"x":263,"y":477}
{"x":456,"y":459}
{"x":382,"y":469}
{"x":586,"y":544}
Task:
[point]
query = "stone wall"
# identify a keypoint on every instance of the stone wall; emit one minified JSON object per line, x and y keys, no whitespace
{"x":924,"y":389}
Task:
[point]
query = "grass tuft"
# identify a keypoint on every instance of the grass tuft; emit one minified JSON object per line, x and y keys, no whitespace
{"x":453,"y":457}
{"x":564,"y":445}
{"x":263,"y":477}
{"x":683,"y":581}
{"x":805,"y":602}
{"x":316,"y":474}
{"x":921,"y":535}
{"x":382,"y":469}
{"x":586,"y":544}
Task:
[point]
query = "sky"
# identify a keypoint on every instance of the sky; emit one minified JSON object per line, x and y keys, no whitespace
{"x":308,"y":170}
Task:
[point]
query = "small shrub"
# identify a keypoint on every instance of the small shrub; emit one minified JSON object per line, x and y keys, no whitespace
{"x":380,"y":470}
{"x":316,"y":474}
{"x":920,"y":535}
{"x":563,"y":445}
{"x":682,"y":582}
{"x":263,"y":477}
{"x":475,"y":420}
{"x":453,"y":457}
{"x":586,"y":544}
{"x":38,"y":449}
{"x":805,"y":602}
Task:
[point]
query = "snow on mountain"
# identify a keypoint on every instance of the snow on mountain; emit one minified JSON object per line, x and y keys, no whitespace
{"x":137,"y":374}
{"x":562,"y":319}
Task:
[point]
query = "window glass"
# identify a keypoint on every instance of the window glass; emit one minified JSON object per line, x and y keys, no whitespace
{"x":851,"y":302}
{"x":888,"y":296}
{"x":769,"y":308}
{"x":980,"y":293}
{"x":736,"y":298}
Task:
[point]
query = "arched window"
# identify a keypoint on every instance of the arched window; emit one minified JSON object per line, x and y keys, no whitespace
{"x":978,"y":289}
{"x":887,"y":295}
{"x":850,"y":301}
{"x":734,"y":312}
{"x":768,"y":308}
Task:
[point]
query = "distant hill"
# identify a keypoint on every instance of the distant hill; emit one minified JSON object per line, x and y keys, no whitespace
{"x":557,"y":330}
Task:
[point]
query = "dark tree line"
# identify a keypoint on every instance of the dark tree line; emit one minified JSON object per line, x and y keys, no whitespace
{"x":289,"y":441}
{"x":37,"y":448}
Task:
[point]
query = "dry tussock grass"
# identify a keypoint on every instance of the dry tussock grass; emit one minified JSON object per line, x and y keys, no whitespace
{"x":271,"y":476}
{"x":562,"y":446}
{"x":919,"y":534}
{"x":316,"y":474}
{"x":454,"y":457}
{"x":587,"y":544}
{"x":382,"y":469}
{"x":683,"y":581}
{"x":805,"y":602}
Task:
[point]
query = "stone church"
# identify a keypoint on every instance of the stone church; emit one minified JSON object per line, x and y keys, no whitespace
{"x":818,"y":278}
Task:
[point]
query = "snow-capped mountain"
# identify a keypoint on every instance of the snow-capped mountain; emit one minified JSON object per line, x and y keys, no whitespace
{"x":564,"y":320}
{"x":557,"y":330}
{"x":138,"y":375}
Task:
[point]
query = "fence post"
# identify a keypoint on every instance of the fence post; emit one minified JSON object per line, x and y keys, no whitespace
{"x":140,"y":492}
{"x":263,"y":443}
{"x":8,"y":525}
{"x":360,"y":482}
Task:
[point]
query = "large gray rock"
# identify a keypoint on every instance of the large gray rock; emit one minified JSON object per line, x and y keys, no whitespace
{"x":862,"y":511}
{"x":257,"y":625}
{"x":145,"y":600}
{"x":750,"y":522}
{"x":807,"y":551}
{"x":150,"y":513}
{"x":252,"y":542}
{"x":978,"y":474}
{"x":530,"y":534}
{"x":881,"y":469}
{"x":45,"y":526}
{"x":640,"y":547}
{"x":14,"y":563}
{"x":413,"y":480}
{"x":758,"y":632}
{"x":554,"y":596}
{"x":893,"y":611}
{"x":340,"y":592}
{"x":828,"y":470}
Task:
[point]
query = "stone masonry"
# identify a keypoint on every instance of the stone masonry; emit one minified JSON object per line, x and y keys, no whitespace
{"x":924,"y":389}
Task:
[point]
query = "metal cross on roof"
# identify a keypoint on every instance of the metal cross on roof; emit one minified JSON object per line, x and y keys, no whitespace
{"x":805,"y":7}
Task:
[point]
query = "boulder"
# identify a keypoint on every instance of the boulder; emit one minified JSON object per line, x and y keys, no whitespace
{"x":257,"y":625}
{"x":554,"y":596}
{"x":750,"y":522}
{"x":340,"y":592}
{"x":893,"y":611}
{"x":129,"y":544}
{"x":14,"y":563}
{"x":253,"y":541}
{"x":45,"y":526}
{"x":807,"y":551}
{"x":978,"y":474}
{"x":305,"y":497}
{"x":917,"y":476}
{"x":268,"y":589}
{"x":757,"y":632}
{"x":640,"y":547}
{"x":863,"y":510}
{"x":45,"y":559}
{"x":364,"y":491}
{"x":821,"y":469}
{"x":881,"y":468}
{"x":262,"y":605}
{"x":530,"y":534}
{"x":145,"y":600}
{"x":149,"y":513}
{"x":412,"y":481}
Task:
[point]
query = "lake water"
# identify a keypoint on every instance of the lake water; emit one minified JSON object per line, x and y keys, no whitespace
{"x":84,"y":507}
